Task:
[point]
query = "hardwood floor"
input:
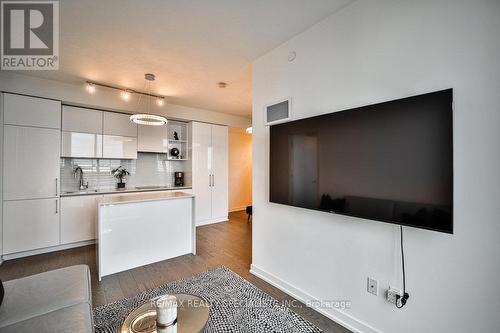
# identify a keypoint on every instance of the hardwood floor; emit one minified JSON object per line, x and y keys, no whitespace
{"x":227,"y":244}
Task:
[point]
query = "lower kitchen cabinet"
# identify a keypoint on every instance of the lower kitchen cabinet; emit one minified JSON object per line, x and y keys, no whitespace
{"x":30,"y":224}
{"x":78,"y":218}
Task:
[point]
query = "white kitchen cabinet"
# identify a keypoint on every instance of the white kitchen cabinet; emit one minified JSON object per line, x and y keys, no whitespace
{"x":118,"y":124}
{"x":219,"y":172}
{"x":210,"y":172}
{"x":83,"y":120}
{"x":30,"y":162}
{"x":202,"y":176}
{"x":75,"y":144}
{"x":30,"y":224}
{"x":120,"y":136}
{"x":78,"y":218}
{"x":31,"y":111}
{"x":114,"y":146}
{"x":82,"y":132}
{"x":153,"y":139}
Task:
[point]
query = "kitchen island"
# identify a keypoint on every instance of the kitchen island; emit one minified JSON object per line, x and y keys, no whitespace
{"x":139,"y":229}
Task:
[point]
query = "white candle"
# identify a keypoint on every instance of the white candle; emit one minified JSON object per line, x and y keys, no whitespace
{"x":166,"y":310}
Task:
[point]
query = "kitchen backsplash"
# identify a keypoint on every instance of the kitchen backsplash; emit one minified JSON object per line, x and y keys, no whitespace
{"x":149,"y":169}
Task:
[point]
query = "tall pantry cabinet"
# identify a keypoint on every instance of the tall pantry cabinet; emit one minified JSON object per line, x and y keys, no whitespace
{"x":210,"y":172}
{"x":30,"y":172}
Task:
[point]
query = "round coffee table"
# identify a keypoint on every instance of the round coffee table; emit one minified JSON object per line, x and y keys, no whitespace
{"x":192,"y":316}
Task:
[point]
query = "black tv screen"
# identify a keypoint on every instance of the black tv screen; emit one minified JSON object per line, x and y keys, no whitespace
{"x":390,"y":162}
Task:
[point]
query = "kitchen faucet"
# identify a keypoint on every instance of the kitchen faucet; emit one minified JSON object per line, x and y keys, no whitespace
{"x":78,"y":170}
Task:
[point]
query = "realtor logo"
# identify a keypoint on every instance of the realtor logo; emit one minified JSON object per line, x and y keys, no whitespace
{"x":30,"y":35}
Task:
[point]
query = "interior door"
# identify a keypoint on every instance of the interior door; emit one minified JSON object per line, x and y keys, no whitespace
{"x":31,"y":162}
{"x":202,"y":165}
{"x":220,"y":172}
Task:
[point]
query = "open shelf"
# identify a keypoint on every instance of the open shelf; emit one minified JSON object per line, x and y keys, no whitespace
{"x":181,"y":130}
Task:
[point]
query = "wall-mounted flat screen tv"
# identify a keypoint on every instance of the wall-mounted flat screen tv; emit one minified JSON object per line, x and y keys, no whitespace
{"x":390,"y":162}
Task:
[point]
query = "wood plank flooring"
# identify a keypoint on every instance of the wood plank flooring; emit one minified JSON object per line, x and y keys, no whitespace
{"x":227,"y":244}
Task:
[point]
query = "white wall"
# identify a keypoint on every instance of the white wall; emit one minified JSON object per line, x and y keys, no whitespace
{"x":373,"y":51}
{"x":240,"y":169}
{"x":75,"y":93}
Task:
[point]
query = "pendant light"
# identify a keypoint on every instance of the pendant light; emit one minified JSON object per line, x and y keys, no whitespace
{"x":147,"y":118}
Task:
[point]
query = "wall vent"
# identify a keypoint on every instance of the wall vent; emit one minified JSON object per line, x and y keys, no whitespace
{"x":278,"y":112}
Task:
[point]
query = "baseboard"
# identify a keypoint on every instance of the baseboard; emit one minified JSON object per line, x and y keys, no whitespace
{"x":212,"y":221}
{"x":237,"y":209}
{"x":46,"y":250}
{"x":336,"y":315}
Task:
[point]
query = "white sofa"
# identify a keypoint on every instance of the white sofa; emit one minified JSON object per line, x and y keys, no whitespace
{"x":58,"y":301}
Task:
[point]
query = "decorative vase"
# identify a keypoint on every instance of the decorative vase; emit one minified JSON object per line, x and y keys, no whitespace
{"x":174,"y":152}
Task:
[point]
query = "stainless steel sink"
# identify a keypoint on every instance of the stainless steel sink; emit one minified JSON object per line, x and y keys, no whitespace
{"x":152,"y":187}
{"x":81,"y":192}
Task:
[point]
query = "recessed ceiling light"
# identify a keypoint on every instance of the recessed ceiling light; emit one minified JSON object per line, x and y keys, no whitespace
{"x":125,"y":95}
{"x":222,"y":84}
{"x":160,"y":101}
{"x":90,"y":87}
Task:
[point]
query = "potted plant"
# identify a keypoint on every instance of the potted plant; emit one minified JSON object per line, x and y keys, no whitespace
{"x":120,"y":174}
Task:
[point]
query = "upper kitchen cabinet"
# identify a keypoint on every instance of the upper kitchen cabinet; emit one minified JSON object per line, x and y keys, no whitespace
{"x":81,"y":132}
{"x":115,"y":146}
{"x":77,"y":119}
{"x":119,"y":124}
{"x":152,"y":139}
{"x":31,"y":111}
{"x":30,"y":162}
{"x":120,"y":136}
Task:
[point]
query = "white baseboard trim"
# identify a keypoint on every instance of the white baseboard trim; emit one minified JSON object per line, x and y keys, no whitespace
{"x":46,"y":250}
{"x":237,"y":209}
{"x":336,"y":315}
{"x":212,"y":221}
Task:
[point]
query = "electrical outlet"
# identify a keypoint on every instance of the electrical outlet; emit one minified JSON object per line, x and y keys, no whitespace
{"x":392,"y":294}
{"x":372,"y":286}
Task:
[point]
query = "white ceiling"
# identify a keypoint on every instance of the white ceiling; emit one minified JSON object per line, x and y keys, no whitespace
{"x":189,"y":44}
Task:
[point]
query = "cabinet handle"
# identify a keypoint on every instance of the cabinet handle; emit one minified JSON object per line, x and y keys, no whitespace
{"x":57,"y":189}
{"x":213,"y":180}
{"x":57,"y":207}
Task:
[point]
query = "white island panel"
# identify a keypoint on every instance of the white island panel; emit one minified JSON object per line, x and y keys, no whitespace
{"x":143,"y":230}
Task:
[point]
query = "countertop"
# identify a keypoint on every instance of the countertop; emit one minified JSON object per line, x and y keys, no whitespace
{"x":125,"y":190}
{"x":139,"y":197}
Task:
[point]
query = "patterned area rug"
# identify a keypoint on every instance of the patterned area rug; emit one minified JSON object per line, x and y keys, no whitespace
{"x":235,"y":305}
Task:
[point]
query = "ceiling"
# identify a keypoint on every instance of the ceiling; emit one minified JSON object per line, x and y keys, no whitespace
{"x":189,"y":44}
